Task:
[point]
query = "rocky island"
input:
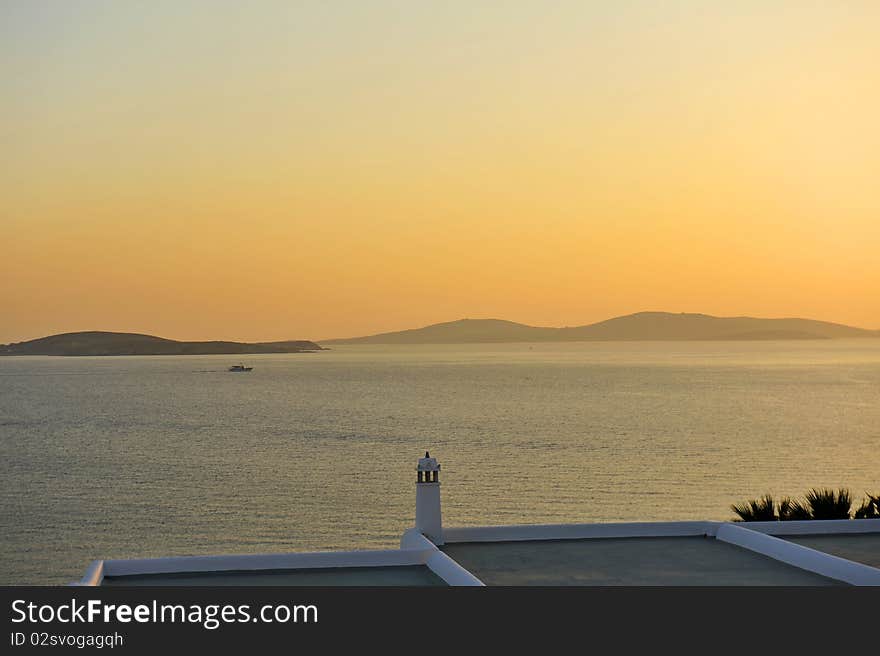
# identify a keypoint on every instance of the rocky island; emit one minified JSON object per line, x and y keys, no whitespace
{"x":109,"y":343}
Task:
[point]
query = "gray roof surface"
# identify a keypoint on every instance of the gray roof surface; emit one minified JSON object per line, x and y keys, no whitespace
{"x":677,"y":561}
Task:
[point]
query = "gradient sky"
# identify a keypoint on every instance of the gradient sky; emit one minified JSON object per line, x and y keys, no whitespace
{"x":271,"y":170}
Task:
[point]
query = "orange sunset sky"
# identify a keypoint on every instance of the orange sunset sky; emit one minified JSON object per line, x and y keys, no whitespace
{"x":273,"y":170}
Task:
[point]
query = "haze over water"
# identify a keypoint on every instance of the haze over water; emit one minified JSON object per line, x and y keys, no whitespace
{"x":154,"y":456}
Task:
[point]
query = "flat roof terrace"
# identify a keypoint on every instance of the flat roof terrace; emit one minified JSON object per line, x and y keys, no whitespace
{"x":650,"y":561}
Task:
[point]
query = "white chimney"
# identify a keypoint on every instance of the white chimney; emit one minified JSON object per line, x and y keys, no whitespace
{"x":428,"y":519}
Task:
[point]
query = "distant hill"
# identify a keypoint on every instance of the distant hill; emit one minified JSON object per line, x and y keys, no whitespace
{"x":645,"y":326}
{"x":105,"y":343}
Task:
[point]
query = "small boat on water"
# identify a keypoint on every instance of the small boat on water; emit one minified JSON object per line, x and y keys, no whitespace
{"x":240,"y":367}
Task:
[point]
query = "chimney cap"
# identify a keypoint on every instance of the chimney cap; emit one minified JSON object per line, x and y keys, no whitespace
{"x":428,"y":463}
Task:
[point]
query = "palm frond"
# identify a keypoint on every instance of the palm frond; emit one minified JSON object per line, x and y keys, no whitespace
{"x":792,"y":509}
{"x":756,"y":510}
{"x":870,"y":508}
{"x":826,"y":503}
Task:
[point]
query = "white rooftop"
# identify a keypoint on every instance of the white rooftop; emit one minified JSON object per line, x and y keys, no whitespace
{"x":811,"y":552}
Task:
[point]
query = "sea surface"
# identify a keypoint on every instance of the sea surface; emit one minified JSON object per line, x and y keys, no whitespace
{"x":122,"y":457}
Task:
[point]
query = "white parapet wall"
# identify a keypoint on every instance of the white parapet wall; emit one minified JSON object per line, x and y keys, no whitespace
{"x":94,"y":574}
{"x":800,"y":556}
{"x":450,"y":571}
{"x":238,"y":563}
{"x":252,"y":563}
{"x":522,"y":532}
{"x":815,"y":527}
{"x":438,"y":562}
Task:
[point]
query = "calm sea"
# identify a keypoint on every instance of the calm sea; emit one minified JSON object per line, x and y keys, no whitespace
{"x":155,"y":456}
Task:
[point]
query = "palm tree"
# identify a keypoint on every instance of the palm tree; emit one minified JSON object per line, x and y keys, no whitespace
{"x":869,"y":509}
{"x":826,"y":503}
{"x":756,"y":510}
{"x":792,"y":509}
{"x":818,"y":503}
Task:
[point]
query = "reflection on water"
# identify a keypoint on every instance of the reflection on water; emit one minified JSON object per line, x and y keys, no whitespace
{"x":140,"y":456}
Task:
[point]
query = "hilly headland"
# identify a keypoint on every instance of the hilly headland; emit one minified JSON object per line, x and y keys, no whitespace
{"x":641,"y":326}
